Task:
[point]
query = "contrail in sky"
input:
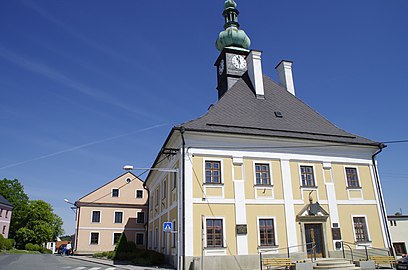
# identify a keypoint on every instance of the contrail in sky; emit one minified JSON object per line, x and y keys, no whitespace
{"x":82,"y":146}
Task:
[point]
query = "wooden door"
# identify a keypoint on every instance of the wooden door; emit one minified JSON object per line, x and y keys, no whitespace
{"x":314,"y":240}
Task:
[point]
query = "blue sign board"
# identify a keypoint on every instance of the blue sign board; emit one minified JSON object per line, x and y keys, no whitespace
{"x":167,"y":226}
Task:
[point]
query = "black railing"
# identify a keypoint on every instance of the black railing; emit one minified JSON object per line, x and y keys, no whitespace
{"x":310,"y":249}
{"x":361,"y":252}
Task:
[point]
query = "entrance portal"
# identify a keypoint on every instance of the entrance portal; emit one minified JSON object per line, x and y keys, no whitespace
{"x":314,"y":238}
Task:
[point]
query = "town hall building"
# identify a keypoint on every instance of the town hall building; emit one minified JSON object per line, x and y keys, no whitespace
{"x":262,"y":172}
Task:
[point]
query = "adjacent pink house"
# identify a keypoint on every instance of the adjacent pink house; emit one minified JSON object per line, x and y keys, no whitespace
{"x":116,"y":207}
{"x":6,"y":209}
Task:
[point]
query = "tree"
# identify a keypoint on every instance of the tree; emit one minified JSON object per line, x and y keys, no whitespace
{"x":13,"y":191}
{"x":41,"y":224}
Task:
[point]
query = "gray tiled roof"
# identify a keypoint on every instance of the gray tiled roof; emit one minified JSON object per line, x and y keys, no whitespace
{"x":240,"y":112}
{"x":4,"y":201}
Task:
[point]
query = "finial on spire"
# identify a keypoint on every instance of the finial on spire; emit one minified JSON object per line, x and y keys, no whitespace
{"x":232,"y":35}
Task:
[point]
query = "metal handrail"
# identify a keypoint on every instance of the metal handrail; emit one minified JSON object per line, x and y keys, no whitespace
{"x":366,"y":248}
{"x":313,"y":249}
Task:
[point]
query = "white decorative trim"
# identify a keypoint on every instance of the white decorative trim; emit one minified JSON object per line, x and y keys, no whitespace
{"x":205,"y":218}
{"x":90,"y":238}
{"x":240,"y":212}
{"x":289,"y":205}
{"x":141,"y":191}
{"x":260,"y":186}
{"x":351,"y":202}
{"x":188,"y":207}
{"x":214,"y":185}
{"x":215,"y":251}
{"x":114,"y":216}
{"x":358,"y":175}
{"x":100,"y":216}
{"x":111,"y":229}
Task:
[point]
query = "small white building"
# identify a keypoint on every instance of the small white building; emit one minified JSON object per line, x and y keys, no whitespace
{"x":398,"y":225}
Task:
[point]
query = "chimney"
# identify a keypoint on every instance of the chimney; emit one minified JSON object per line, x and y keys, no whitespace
{"x":285,"y":76}
{"x":255,"y":72}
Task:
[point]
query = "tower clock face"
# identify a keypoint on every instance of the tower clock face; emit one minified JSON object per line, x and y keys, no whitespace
{"x":238,"y":61}
{"x":221,"y":67}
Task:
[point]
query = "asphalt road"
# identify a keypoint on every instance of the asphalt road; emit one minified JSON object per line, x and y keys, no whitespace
{"x":46,"y":262}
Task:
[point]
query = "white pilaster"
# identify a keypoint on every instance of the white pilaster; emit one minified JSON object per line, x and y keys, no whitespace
{"x":289,"y":206}
{"x":240,"y":208}
{"x":188,"y":207}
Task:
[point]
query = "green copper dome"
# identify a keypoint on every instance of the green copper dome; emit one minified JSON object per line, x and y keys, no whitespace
{"x":232,"y":35}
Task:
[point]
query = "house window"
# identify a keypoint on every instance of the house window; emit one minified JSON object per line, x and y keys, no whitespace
{"x":164,"y":189}
{"x":156,"y":196}
{"x":352,"y":178}
{"x":7,"y":211}
{"x":214,"y":233}
{"x":139,"y":194}
{"x":140,"y":217}
{"x":156,"y":238}
{"x":118,"y":217}
{"x":115,"y":192}
{"x":96,"y":216}
{"x":4,"y":229}
{"x":266,"y":232}
{"x":116,"y":237}
{"x":307,"y":176}
{"x":94,"y":238}
{"x":213,"y":172}
{"x":262,"y":174}
{"x":174,"y":180}
{"x":1,"y":212}
{"x":400,"y":248}
{"x":360,"y":229}
{"x":139,"y":238}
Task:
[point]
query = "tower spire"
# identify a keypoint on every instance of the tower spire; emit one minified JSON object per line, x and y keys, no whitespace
{"x":232,"y":35}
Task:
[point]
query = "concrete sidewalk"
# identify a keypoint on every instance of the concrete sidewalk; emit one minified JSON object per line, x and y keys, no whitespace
{"x":118,"y":265}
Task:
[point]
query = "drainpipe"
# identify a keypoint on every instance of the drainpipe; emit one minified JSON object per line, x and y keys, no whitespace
{"x":147,"y":217}
{"x":77,"y":226}
{"x":183,"y":154}
{"x":380,"y":196}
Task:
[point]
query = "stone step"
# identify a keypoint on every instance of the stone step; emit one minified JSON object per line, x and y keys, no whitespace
{"x":339,"y":268}
{"x":336,"y":265}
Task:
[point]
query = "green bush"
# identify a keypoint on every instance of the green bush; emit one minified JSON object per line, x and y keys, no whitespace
{"x":29,"y":246}
{"x":46,"y":251}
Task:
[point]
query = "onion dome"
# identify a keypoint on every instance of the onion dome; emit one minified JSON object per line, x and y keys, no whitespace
{"x":232,"y":35}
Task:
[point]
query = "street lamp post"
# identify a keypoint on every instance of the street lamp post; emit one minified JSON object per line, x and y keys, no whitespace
{"x":76,"y":210}
{"x":179,"y":206}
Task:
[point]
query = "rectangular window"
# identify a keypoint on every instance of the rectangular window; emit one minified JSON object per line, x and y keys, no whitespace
{"x":156,"y":196}
{"x":139,"y":194}
{"x":360,"y":229}
{"x":115,"y":192}
{"x":262,"y":174}
{"x":266,"y":232}
{"x":116,"y":237}
{"x":118,"y":217}
{"x":96,"y":216}
{"x":164,"y":189}
{"x":1,"y":212}
{"x":4,"y":229}
{"x":214,"y":233}
{"x":94,"y":238}
{"x":7,"y":211}
{"x":400,"y":248}
{"x":352,"y":177}
{"x":213,"y":172}
{"x":174,"y":179}
{"x":139,"y":238}
{"x":140,"y":217}
{"x":307,"y":176}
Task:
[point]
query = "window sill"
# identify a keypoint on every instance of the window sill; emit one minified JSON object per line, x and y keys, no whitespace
{"x":310,"y":187}
{"x":213,"y":184}
{"x":263,"y":186}
{"x":356,"y":188}
{"x":268,"y":247}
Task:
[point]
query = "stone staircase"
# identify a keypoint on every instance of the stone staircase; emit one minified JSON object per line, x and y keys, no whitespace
{"x":334,"y":264}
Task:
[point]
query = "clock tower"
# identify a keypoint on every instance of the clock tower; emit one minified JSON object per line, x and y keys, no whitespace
{"x":233,"y":44}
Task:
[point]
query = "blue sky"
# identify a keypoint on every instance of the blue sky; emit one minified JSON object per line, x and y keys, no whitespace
{"x":88,"y":86}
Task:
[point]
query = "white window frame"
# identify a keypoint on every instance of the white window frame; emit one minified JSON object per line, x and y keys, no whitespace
{"x":100,"y":216}
{"x":267,"y":248}
{"x":136,"y":193}
{"x":314,"y":176}
{"x":358,"y":177}
{"x":118,"y":193}
{"x":361,"y":245}
{"x":113,"y":237}
{"x":114,"y":217}
{"x":213,"y":251}
{"x":209,"y":159}
{"x":164,"y":189}
{"x":90,"y":238}
{"x":269,"y":163}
